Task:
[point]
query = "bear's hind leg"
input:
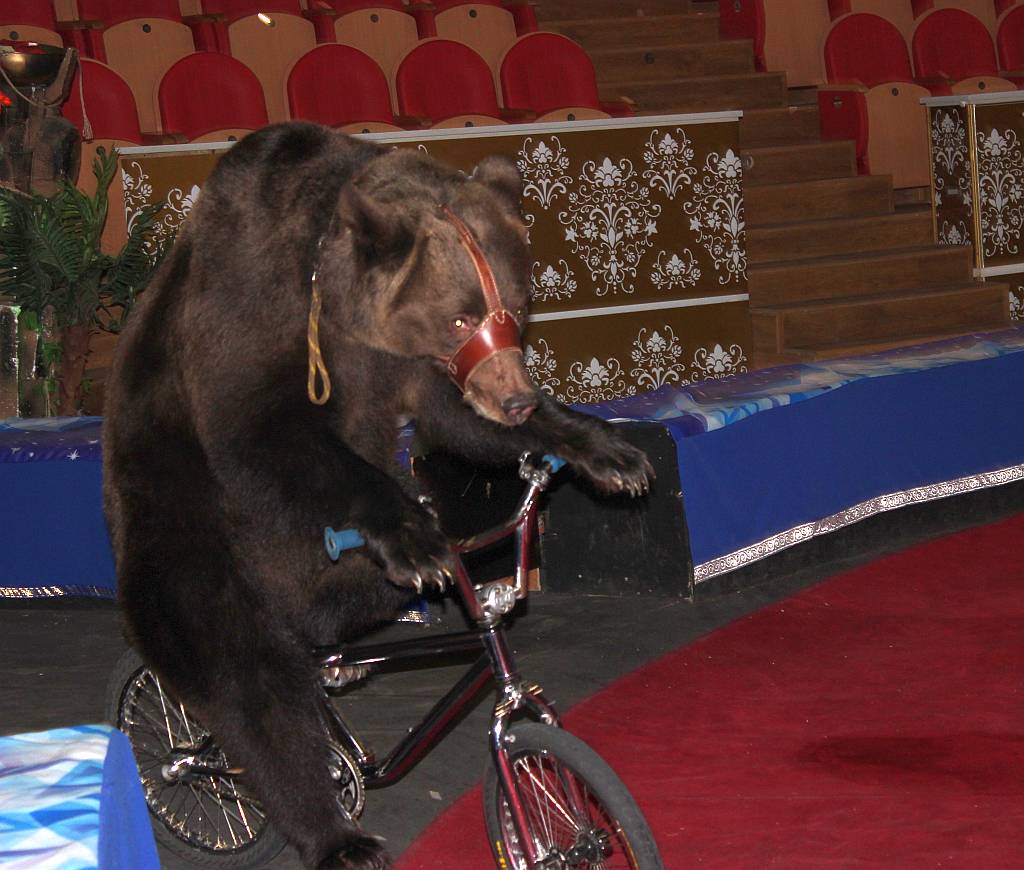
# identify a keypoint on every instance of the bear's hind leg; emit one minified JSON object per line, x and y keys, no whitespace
{"x":268,"y":721}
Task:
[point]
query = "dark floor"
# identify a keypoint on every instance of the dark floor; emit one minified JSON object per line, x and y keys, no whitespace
{"x":55,"y":657}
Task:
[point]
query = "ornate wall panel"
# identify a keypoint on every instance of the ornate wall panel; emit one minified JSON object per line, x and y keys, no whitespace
{"x":637,"y":230}
{"x":978,"y":182}
{"x":952,"y":195}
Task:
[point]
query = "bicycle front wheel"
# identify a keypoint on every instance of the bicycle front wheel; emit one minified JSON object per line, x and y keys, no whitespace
{"x":579,"y":812}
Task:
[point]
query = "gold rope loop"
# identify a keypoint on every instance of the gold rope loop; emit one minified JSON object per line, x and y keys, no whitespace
{"x":316,"y":360}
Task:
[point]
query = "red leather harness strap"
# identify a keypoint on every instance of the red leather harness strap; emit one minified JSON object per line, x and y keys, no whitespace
{"x":498,"y":331}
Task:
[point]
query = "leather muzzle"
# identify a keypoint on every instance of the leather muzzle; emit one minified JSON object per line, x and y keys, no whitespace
{"x":498,"y":331}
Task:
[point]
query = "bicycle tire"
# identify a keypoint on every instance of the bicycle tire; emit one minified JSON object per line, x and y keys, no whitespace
{"x":608,"y":832}
{"x":241,"y":838}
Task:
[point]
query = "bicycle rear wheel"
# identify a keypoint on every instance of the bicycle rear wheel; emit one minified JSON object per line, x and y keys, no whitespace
{"x":213,"y":821}
{"x":579,"y":812}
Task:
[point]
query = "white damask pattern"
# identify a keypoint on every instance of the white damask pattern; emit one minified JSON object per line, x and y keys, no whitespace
{"x":1001,"y":176}
{"x":954,"y":234}
{"x":543,"y":168}
{"x":717,"y":215}
{"x":676,"y":271}
{"x":595,"y":382}
{"x":719,"y":363}
{"x":137,"y":195}
{"x":657,"y":359}
{"x":553,"y":284}
{"x":541,"y":365}
{"x":609,"y":222}
{"x":949,"y":140}
{"x":669,"y":162}
{"x":949,"y":149}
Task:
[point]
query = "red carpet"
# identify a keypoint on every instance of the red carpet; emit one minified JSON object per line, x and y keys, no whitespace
{"x":876,"y":720}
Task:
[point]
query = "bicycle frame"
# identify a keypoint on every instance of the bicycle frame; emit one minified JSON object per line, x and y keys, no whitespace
{"x":486,"y":605}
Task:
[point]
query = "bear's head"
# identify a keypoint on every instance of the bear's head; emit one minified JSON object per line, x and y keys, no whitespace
{"x":422,"y":243}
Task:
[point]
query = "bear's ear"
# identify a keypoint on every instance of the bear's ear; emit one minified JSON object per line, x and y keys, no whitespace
{"x":377,"y":231}
{"x":502,"y":177}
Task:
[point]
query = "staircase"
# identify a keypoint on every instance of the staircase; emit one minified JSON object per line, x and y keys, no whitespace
{"x":835,"y":269}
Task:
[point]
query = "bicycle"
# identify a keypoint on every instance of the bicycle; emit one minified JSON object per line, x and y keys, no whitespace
{"x":550,"y":802}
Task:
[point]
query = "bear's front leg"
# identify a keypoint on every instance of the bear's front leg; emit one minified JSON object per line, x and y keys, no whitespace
{"x":294,"y":473}
{"x":596,"y":451}
{"x":404,"y":537}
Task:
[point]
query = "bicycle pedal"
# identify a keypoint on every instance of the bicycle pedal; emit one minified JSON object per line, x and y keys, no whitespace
{"x":342,"y":675}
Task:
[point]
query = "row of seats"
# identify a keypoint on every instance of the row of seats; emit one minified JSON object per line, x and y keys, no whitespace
{"x":788,"y":34}
{"x":209,"y":96}
{"x":142,"y":39}
{"x":874,"y":92}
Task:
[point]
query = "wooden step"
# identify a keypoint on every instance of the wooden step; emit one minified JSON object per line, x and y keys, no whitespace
{"x":764,"y":359}
{"x":760,"y":128}
{"x":965,"y":307}
{"x":817,"y":200}
{"x":905,"y":228}
{"x":685,"y":60}
{"x":571,"y":10}
{"x":857,"y":275}
{"x":649,"y":31}
{"x":777,"y":164}
{"x":713,"y":94}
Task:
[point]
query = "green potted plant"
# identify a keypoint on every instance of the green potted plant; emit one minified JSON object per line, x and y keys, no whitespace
{"x":52,"y":267}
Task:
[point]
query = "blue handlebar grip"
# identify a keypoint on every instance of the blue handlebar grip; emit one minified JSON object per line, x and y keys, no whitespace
{"x":556,"y":462}
{"x":346,"y":539}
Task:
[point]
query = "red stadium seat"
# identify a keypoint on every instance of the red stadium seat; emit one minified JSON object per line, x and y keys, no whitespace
{"x":954,"y":51}
{"x":140,"y":40}
{"x":1010,"y":39}
{"x":779,"y":43}
{"x":421,"y":12}
{"x":110,"y":12}
{"x":873,"y":100}
{"x":384,"y":29}
{"x":868,"y":50}
{"x":897,"y":12}
{"x":109,"y":104}
{"x":488,"y":27}
{"x":1004,"y":5}
{"x":35,"y":21}
{"x":521,"y":11}
{"x":269,"y":37}
{"x":983,"y":10}
{"x":209,"y":96}
{"x":448,"y":83}
{"x":553,"y":76}
{"x":363,"y":105}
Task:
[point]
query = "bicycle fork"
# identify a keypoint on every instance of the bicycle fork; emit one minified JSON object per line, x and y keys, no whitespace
{"x":513,"y":694}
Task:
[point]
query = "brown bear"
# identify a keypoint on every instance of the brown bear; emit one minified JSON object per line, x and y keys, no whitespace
{"x":221,"y":473}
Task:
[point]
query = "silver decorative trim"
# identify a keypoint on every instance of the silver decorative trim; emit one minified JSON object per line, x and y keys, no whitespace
{"x":569,"y":314}
{"x":26,"y":592}
{"x":854,"y":514}
{"x":540,"y":127}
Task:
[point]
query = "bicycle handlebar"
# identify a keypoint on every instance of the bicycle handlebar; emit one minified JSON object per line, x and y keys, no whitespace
{"x":336,"y":542}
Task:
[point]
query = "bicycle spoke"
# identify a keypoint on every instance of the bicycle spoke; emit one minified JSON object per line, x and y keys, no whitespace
{"x":210,"y":812}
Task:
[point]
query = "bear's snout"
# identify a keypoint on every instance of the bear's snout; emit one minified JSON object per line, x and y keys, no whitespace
{"x":519,"y":408}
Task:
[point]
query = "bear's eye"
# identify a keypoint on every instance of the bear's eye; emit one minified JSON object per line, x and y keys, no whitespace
{"x":461,"y":323}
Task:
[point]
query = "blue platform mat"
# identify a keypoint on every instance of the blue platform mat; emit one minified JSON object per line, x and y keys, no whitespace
{"x":767,"y":459}
{"x":774,"y":457}
{"x":71,"y":799}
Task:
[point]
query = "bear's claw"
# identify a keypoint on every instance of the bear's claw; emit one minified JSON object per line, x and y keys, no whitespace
{"x":415,"y":552}
{"x":617,"y":468}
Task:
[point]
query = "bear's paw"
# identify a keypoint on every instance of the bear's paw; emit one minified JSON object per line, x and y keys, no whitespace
{"x":363,"y":853}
